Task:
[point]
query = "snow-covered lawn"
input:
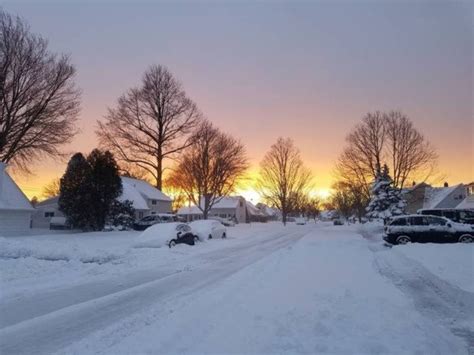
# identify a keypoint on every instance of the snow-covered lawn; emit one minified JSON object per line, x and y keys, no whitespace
{"x":266,"y":289}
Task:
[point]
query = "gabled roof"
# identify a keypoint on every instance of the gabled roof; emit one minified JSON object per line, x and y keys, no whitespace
{"x":230,"y":202}
{"x":253,"y":210}
{"x":467,"y":203}
{"x":49,"y":201}
{"x":11,"y":197}
{"x":434,"y":196}
{"x":146,"y":189}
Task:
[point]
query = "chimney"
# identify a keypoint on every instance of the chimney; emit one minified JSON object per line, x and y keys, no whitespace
{"x":446,"y":184}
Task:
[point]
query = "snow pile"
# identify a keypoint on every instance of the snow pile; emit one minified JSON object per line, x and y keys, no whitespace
{"x":371,"y":230}
{"x":12,"y":249}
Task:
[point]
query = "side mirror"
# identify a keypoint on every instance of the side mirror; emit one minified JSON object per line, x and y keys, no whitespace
{"x":449,"y":225}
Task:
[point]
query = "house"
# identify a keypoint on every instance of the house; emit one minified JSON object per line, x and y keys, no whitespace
{"x":444,"y":197}
{"x":424,"y":196}
{"x":468,"y":202}
{"x":415,"y":197}
{"x":230,"y":207}
{"x":15,"y":209}
{"x":146,"y":200}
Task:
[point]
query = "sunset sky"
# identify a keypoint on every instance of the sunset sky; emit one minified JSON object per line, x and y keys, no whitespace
{"x":259,"y":70}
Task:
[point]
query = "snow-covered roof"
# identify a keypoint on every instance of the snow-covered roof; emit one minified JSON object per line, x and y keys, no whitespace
{"x":11,"y":197}
{"x":189,"y":210}
{"x":434,"y":196}
{"x":253,"y":210}
{"x":49,"y":201}
{"x":230,"y":202}
{"x":146,"y":189}
{"x":467,"y":203}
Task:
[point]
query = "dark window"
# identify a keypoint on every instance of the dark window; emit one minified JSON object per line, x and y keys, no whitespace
{"x":418,"y":221}
{"x":48,"y":214}
{"x":450,"y":214}
{"x":432,"y":212}
{"x":466,"y":214}
{"x":153,"y":202}
{"x":436,"y":221}
{"x":399,"y":222}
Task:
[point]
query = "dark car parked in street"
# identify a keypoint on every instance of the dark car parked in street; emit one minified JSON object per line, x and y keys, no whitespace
{"x":148,"y":221}
{"x":427,"y":229}
{"x":455,"y":215}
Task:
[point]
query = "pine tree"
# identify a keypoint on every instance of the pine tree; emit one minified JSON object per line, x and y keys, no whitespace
{"x":106,"y":185}
{"x":75,"y":192}
{"x":386,"y":200}
{"x":89,"y":188}
{"x":121,"y":214}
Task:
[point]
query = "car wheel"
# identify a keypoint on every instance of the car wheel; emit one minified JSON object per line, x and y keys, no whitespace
{"x":172,"y":243}
{"x":403,"y":239}
{"x":224,"y":235}
{"x":466,"y":238}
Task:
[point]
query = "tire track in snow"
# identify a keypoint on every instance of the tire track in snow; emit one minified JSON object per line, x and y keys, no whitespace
{"x":52,"y":331}
{"x":433,"y":297}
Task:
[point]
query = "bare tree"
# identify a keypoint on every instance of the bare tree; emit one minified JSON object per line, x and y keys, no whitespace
{"x":385,"y":138}
{"x":39,"y":102}
{"x":283,"y":179}
{"x":210,"y":168}
{"x":52,"y":189}
{"x":349,"y":199}
{"x":150,"y":123}
{"x":411,"y":155}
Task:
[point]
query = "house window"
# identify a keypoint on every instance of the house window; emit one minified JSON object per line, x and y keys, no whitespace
{"x":153,"y":202}
{"x":140,"y":215}
{"x":241,"y":204}
{"x":48,"y":214}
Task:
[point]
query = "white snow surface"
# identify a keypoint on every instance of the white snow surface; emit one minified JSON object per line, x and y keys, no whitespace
{"x":265,"y":289}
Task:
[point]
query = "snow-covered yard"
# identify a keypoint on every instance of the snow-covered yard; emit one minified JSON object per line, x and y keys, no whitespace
{"x":316,"y":288}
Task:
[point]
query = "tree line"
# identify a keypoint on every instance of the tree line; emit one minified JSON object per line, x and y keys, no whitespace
{"x":155,"y":130}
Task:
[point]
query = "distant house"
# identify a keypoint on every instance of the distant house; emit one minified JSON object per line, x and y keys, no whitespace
{"x":231,"y":207}
{"x":146,"y":200}
{"x":15,"y":209}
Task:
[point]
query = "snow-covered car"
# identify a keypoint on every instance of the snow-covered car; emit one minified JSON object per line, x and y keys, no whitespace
{"x":427,"y":229}
{"x":161,"y":234}
{"x":338,"y":222}
{"x":300,"y":221}
{"x":208,"y":229}
{"x":225,"y":221}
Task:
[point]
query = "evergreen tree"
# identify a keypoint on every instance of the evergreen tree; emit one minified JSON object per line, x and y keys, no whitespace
{"x":88,"y":189}
{"x":75,"y":192}
{"x":386,"y":200}
{"x":106,"y":185}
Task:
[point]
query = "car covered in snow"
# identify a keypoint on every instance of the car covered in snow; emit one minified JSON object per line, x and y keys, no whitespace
{"x":162,"y":234}
{"x":300,"y":221}
{"x":225,"y":221}
{"x":153,"y":219}
{"x":208,"y":229}
{"x":426,"y":229}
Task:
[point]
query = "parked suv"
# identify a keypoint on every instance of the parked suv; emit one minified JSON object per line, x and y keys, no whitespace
{"x":426,"y":229}
{"x":459,"y":216}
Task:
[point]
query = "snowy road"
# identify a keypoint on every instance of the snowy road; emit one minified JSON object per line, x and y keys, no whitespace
{"x":268,"y":289}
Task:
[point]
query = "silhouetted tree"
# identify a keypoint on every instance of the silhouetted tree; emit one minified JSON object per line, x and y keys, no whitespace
{"x":283,"y":179}
{"x":39,"y":101}
{"x":385,"y":138}
{"x":52,"y":189}
{"x":209,"y":169}
{"x":150,"y":123}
